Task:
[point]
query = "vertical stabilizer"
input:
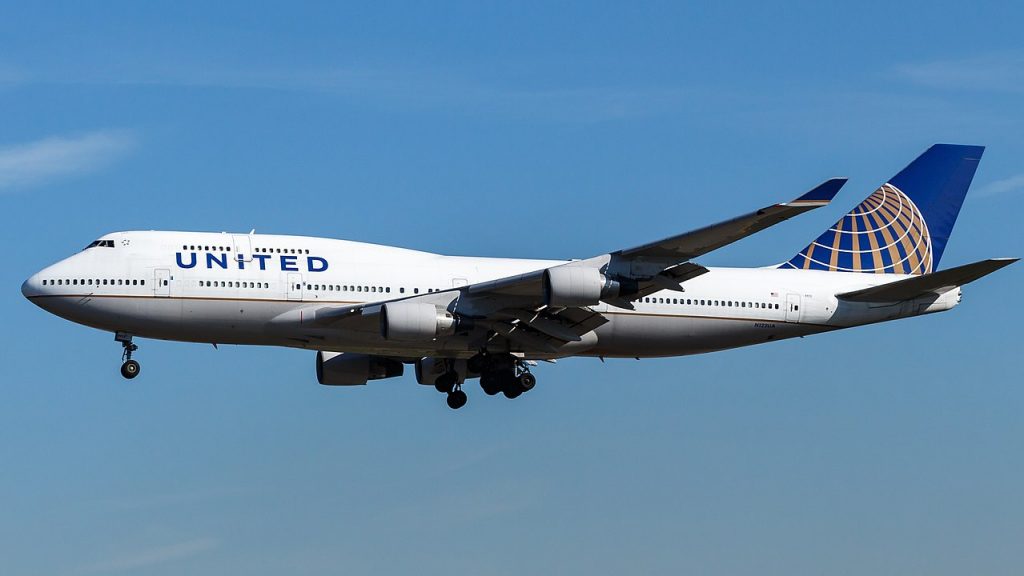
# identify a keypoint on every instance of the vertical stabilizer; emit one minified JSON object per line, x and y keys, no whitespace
{"x":903,"y":227}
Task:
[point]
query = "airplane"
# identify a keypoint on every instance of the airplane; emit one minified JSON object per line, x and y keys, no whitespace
{"x":369,"y":310}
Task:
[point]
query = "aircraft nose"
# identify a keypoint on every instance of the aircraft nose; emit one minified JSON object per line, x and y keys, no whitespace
{"x":28,"y":287}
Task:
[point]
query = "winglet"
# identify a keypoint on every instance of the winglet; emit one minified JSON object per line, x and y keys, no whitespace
{"x":821,"y":194}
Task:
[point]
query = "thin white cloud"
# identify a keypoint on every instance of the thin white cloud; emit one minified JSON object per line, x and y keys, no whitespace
{"x":998,"y":72}
{"x":1004,"y":186}
{"x":145,"y":558}
{"x":42,"y":161}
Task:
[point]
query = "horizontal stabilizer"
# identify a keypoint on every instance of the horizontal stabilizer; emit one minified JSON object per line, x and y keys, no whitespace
{"x":934,"y":283}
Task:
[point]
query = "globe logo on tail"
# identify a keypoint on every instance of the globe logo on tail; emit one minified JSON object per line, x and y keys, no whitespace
{"x":885,"y":234}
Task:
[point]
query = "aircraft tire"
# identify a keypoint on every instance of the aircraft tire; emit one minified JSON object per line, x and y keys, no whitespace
{"x":130,"y":369}
{"x":457,"y":399}
{"x":445,"y":383}
{"x":490,"y":383}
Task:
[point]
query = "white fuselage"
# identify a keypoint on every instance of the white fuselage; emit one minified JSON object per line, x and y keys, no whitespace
{"x":192,"y":287}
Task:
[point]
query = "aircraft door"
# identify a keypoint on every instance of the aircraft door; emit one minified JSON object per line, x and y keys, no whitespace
{"x":162,"y":282}
{"x":243,"y":247}
{"x":792,"y":307}
{"x":294,"y":286}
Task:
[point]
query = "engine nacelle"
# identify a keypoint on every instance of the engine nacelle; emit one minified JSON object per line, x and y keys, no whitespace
{"x":567,"y":286}
{"x":415,"y":321}
{"x":334,"y":369}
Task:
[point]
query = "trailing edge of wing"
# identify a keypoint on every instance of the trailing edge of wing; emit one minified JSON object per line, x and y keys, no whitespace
{"x":683,"y":247}
{"x":934,"y":283}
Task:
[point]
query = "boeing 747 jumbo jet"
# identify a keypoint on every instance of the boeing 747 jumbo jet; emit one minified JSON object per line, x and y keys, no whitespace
{"x":369,"y":310}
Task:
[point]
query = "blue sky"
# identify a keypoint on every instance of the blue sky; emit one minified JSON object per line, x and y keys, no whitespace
{"x":530,"y":130}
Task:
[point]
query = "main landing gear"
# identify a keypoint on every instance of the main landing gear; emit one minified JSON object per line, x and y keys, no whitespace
{"x":448,"y":383}
{"x":503,"y":373}
{"x":129,"y":368}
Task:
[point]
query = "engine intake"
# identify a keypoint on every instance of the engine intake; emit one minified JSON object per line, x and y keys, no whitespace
{"x":335,"y":369}
{"x":415,"y":321}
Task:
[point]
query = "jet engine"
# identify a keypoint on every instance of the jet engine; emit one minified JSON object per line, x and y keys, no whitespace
{"x":335,"y":369}
{"x":415,"y":321}
{"x":568,"y":286}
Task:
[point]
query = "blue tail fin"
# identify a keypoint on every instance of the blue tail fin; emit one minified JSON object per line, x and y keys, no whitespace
{"x":903,"y":227}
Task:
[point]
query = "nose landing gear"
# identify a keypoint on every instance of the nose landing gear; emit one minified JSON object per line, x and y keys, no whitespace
{"x":129,"y":368}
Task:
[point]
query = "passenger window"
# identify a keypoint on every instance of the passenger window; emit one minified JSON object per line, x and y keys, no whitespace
{"x":401,"y":290}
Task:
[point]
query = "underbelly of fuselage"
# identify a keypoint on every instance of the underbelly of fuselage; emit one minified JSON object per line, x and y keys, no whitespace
{"x":627,"y":334}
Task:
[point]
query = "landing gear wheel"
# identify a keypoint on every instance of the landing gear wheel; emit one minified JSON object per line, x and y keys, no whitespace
{"x":527,"y":381}
{"x":490,"y":383}
{"x":130,"y":369}
{"x":457,"y":399}
{"x":446,"y":382}
{"x":477,"y":363}
{"x":510,"y":384}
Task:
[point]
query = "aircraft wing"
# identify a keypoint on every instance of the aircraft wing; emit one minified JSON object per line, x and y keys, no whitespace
{"x":547,"y":309}
{"x":683,"y":247}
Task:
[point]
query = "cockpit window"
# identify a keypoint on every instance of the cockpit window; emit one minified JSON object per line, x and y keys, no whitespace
{"x":101,"y":243}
